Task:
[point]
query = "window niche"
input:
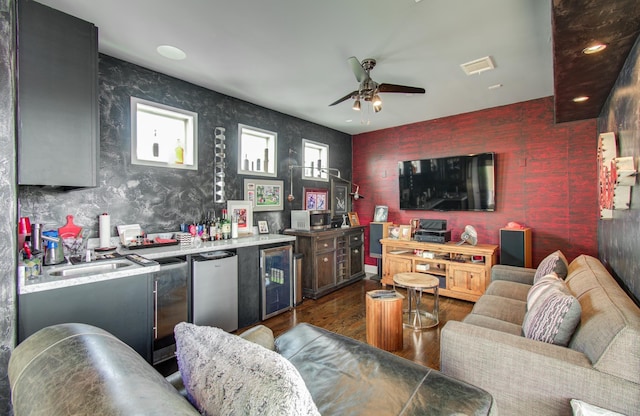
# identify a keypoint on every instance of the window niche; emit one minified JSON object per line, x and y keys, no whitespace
{"x":257,"y":151}
{"x":163,"y":136}
{"x":316,"y":157}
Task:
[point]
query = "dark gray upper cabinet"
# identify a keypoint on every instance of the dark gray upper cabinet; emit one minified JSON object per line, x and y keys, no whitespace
{"x":58,"y":121}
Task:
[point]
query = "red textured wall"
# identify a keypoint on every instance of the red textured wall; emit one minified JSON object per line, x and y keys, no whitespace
{"x":546,"y":175}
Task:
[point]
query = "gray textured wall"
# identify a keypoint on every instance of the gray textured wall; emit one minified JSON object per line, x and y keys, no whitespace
{"x":619,"y":238}
{"x":159,"y":199}
{"x":7,"y":199}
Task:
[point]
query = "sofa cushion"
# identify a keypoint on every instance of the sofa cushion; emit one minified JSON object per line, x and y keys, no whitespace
{"x":493,"y":323}
{"x":498,"y":307}
{"x":225,"y":374}
{"x":553,"y":315}
{"x":508,"y":289}
{"x":556,"y":263}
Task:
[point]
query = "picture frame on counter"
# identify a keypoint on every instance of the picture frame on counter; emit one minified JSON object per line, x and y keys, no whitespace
{"x":243,"y":210}
{"x":339,"y":198}
{"x":381,"y":213}
{"x":353,"y":219}
{"x":264,"y":194}
{"x":405,"y":232}
{"x":263,"y":227}
{"x":315,"y":199}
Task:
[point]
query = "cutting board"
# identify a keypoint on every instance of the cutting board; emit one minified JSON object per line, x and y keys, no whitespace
{"x":69,"y":230}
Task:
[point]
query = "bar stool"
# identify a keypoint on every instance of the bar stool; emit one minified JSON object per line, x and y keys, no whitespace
{"x":417,"y":318}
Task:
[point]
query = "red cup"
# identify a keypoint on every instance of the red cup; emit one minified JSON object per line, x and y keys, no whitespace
{"x":24,"y":226}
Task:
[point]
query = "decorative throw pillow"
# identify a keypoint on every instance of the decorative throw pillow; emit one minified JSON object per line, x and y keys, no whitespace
{"x":553,"y":317}
{"x":227,"y":375}
{"x":581,"y":408}
{"x":544,"y":287}
{"x":556,"y":263}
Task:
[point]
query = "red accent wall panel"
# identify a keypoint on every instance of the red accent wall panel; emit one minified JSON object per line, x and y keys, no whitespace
{"x":546,"y":176}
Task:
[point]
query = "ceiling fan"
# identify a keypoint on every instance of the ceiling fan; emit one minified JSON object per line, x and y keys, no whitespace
{"x":369,"y":89}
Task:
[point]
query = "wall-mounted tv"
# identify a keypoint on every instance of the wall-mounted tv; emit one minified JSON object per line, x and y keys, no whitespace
{"x":455,"y":183}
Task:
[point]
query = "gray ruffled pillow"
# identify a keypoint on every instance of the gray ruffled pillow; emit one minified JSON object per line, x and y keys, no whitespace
{"x":227,"y":375}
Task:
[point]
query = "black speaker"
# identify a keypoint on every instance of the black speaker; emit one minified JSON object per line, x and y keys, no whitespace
{"x":515,"y":247}
{"x":377,"y":230}
{"x":433,"y":224}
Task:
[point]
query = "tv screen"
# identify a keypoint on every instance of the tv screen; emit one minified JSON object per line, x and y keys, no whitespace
{"x":455,"y":183}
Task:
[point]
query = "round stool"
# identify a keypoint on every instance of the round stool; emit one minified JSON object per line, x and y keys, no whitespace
{"x":417,"y":318}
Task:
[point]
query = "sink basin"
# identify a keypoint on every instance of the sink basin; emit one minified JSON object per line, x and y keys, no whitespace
{"x":90,"y":269}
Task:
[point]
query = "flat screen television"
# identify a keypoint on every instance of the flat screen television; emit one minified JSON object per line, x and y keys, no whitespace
{"x":455,"y":183}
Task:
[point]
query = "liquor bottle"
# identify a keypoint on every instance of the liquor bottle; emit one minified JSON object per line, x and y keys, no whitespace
{"x":179,"y":153}
{"x":225,"y":224}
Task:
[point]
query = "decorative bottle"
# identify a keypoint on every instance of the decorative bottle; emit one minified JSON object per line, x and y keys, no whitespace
{"x":225,"y":224}
{"x":179,"y":153}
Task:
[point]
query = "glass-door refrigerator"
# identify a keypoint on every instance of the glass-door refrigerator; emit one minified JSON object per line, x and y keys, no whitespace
{"x":276,"y":274}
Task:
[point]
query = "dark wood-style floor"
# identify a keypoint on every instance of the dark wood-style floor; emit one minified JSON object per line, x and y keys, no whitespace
{"x":343,"y":312}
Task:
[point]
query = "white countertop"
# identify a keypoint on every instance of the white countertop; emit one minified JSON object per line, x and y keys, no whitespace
{"x":47,"y":282}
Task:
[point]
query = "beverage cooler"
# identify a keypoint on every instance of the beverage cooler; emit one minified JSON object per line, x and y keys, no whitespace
{"x":277,"y":280}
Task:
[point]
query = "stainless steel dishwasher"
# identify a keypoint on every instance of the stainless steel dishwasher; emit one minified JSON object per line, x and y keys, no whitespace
{"x":215,"y":289}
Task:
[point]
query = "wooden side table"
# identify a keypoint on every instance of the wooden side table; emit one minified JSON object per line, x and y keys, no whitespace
{"x":384,"y":320}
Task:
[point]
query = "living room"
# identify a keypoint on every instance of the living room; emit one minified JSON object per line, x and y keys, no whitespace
{"x":547,"y":176}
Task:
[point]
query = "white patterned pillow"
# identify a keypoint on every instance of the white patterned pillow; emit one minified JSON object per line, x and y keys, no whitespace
{"x":227,"y":375}
{"x":553,"y":315}
{"x":544,"y":287}
{"x":556,"y":263}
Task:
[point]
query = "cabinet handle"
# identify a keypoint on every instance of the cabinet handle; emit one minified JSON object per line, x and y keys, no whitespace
{"x":357,"y":238}
{"x":155,"y":309}
{"x":326,"y":244}
{"x":325,"y":259}
{"x":356,"y":251}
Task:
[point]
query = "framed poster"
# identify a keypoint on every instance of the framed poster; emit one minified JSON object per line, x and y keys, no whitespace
{"x":243,"y":211}
{"x":265,"y":195}
{"x":339,"y":198}
{"x":381,"y":213}
{"x":316,"y":199}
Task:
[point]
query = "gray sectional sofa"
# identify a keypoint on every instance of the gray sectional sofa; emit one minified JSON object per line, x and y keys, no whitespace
{"x":600,"y":365}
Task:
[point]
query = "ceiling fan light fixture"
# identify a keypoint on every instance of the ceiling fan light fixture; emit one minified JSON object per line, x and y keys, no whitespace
{"x":377,"y":108}
{"x":356,"y":105}
{"x":376,"y":101}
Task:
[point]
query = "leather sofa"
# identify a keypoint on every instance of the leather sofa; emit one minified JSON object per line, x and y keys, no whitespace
{"x":600,"y":365}
{"x":79,"y":369}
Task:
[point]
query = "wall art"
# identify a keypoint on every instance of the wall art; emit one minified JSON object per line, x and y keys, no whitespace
{"x":265,"y":195}
{"x":316,"y":199}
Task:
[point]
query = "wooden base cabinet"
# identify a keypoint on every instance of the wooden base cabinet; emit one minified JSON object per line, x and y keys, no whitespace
{"x":332,"y":259}
{"x":464,"y":270}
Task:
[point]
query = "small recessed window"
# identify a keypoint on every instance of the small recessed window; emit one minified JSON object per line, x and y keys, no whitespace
{"x":316,"y":160}
{"x":163,"y":136}
{"x":256,"y":151}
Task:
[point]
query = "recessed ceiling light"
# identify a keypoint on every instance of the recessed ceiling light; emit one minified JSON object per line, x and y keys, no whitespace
{"x":580,"y":99}
{"x":349,"y":121}
{"x":171,"y":52}
{"x":598,"y":47}
{"x":495,"y":86}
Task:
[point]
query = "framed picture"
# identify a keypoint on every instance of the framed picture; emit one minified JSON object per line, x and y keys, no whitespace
{"x":244,"y":212}
{"x":405,"y":232}
{"x":263,"y":227}
{"x":265,"y":195}
{"x":353,"y":219}
{"x":316,"y":199}
{"x":381,"y":213}
{"x":394,"y":231}
{"x":339,"y":198}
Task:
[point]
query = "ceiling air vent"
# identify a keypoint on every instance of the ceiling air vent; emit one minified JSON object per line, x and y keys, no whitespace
{"x":478,"y":66}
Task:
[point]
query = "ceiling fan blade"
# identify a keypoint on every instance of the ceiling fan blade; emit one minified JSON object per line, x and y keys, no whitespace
{"x":400,"y":88}
{"x":357,"y":69}
{"x":346,"y":97}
